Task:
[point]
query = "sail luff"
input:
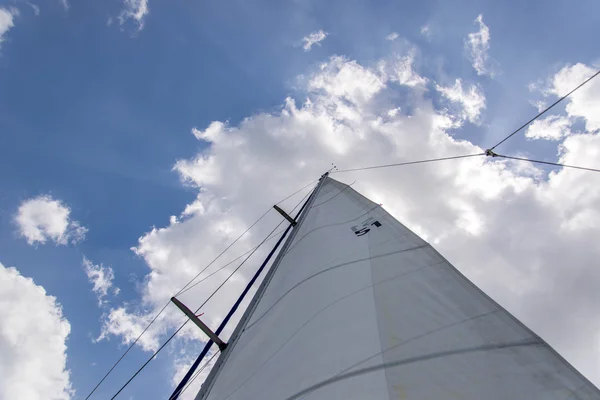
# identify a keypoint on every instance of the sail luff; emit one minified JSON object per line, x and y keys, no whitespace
{"x":256,"y":298}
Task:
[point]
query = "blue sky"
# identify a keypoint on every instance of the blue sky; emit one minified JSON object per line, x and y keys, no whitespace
{"x":95,"y":112}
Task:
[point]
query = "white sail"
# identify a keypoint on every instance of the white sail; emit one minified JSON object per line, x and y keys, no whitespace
{"x":359,"y":307}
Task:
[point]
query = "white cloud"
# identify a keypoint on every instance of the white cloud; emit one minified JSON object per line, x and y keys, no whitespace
{"x":314,"y":38}
{"x":43,"y":218}
{"x":394,"y":111}
{"x":538,"y":104}
{"x":6,"y":22}
{"x":478,"y":45}
{"x":511,"y":229}
{"x":136,"y":10}
{"x":129,"y":325}
{"x":100,"y":277}
{"x":401,"y":70}
{"x":334,"y":79}
{"x":471,"y":101}
{"x":33,"y":333}
{"x":585,"y":102}
{"x":65,"y":4}
{"x":392,"y":36}
{"x":35,"y":8}
{"x":552,"y":128}
{"x":426,"y":31}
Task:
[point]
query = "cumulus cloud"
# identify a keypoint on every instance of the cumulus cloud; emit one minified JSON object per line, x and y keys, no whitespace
{"x":136,"y":10}
{"x":35,"y":8}
{"x":512,"y":229}
{"x":392,"y":36}
{"x":6,"y":21}
{"x":585,"y":102}
{"x":43,"y":218}
{"x":477,"y":45}
{"x":314,"y":38}
{"x":334,"y":80}
{"x":100,"y":277}
{"x":580,"y":106}
{"x":128,"y":325}
{"x":471,"y":101}
{"x":401,"y":70}
{"x":33,"y":336}
{"x":426,"y":31}
{"x":553,"y":127}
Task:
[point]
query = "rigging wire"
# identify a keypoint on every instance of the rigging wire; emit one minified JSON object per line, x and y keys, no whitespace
{"x":235,"y":306}
{"x":408,"y":163}
{"x":126,"y":351}
{"x":187,"y":320}
{"x":186,"y":288}
{"x":228,"y":264}
{"x":492,"y":148}
{"x":198,"y":373}
{"x":150,"y":359}
{"x":545,"y":162}
{"x":205,"y":301}
{"x":546,"y":110}
{"x":298,"y":191}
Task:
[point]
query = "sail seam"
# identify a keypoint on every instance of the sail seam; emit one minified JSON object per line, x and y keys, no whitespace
{"x":467,"y":284}
{"x":308,"y":321}
{"x":372,"y":285}
{"x":332,"y":197}
{"x":411,"y":360}
{"x":421,"y":336}
{"x":322,"y":272}
{"x":378,"y":316}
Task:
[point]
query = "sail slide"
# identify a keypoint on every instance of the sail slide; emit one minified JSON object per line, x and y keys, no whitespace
{"x":359,"y":307}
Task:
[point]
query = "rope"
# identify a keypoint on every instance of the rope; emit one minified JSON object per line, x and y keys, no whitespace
{"x":185,"y":288}
{"x":408,"y":163}
{"x":492,"y":154}
{"x":546,"y":110}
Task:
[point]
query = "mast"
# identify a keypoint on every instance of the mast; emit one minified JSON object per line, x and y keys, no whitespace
{"x":260,"y":291}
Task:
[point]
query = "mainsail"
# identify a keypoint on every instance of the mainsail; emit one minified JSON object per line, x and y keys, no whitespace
{"x":359,"y":307}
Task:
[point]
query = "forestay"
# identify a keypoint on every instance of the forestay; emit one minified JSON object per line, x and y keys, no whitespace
{"x":360,"y":307}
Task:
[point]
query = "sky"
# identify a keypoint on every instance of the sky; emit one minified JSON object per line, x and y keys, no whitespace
{"x":139,"y":138}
